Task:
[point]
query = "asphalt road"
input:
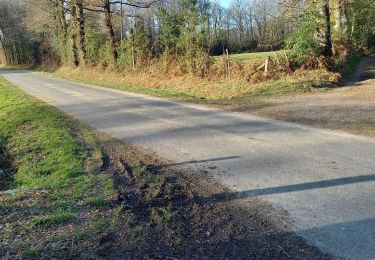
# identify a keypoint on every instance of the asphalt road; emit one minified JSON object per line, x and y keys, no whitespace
{"x":324,"y":180}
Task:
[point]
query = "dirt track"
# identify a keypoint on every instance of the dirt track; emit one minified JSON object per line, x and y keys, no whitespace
{"x":350,"y":108}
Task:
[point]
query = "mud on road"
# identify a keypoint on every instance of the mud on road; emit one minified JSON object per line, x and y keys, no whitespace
{"x":186,"y":214}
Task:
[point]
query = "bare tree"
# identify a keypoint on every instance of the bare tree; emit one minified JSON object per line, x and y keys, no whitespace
{"x":237,"y":10}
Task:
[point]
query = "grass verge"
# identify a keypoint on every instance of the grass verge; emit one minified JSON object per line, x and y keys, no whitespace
{"x":40,"y":141}
{"x":50,"y":167}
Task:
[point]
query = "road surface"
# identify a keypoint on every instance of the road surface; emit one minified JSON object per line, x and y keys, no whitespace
{"x":325,"y":180}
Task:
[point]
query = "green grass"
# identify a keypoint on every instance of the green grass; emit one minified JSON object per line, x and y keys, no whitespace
{"x":243,"y":57}
{"x":97,"y":202}
{"x":140,"y":172}
{"x":39,"y":139}
{"x":52,"y":219}
{"x":53,"y":164}
{"x":371,"y":72}
{"x":351,"y":66}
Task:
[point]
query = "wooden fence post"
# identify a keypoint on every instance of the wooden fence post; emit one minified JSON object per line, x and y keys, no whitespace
{"x":227,"y":63}
{"x":266,"y":65}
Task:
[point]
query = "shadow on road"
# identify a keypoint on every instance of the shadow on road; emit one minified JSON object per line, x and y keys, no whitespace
{"x":289,"y":188}
{"x":350,"y":239}
{"x":201,"y":161}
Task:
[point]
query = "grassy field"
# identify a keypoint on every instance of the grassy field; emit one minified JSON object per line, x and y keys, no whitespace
{"x":243,"y":57}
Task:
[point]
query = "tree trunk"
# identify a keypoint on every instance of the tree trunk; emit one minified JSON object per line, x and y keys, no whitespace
{"x":326,"y":16}
{"x":133,"y":48}
{"x":56,"y":16}
{"x":60,"y":20}
{"x":352,"y":28}
{"x":341,"y":18}
{"x":63,"y":24}
{"x":74,"y":36}
{"x":111,"y":34}
{"x":6,"y":54}
{"x":82,"y":36}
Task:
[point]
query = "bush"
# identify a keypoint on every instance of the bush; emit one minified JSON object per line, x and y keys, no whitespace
{"x":302,"y":42}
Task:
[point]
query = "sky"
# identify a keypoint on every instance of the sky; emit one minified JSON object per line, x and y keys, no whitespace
{"x":225,"y":3}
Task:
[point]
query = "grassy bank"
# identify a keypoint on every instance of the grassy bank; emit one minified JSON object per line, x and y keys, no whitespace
{"x":197,"y":89}
{"x":68,"y":192}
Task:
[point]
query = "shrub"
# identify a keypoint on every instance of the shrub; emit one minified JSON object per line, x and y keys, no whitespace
{"x":302,"y":42}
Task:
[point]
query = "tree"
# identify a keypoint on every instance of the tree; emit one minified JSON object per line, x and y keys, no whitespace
{"x":237,"y":10}
{"x":111,"y":35}
{"x":18,"y":45}
{"x":82,"y":34}
{"x":110,"y":32}
{"x":325,"y":29}
{"x":341,"y":16}
{"x":73,"y":12}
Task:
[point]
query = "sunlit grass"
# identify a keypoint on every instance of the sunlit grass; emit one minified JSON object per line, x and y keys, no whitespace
{"x":243,"y":57}
{"x":40,"y":140}
{"x":52,"y":219}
